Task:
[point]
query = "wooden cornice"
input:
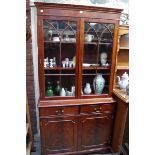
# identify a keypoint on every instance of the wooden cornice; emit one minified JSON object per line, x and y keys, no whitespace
{"x":77,"y":7}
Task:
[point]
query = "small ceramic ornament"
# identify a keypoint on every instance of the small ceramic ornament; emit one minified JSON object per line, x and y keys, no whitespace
{"x":103,"y":58}
{"x":98,"y":84}
{"x":62,"y":92}
{"x":87,"y":89}
{"x":51,"y":63}
{"x":54,"y":61}
{"x":124,"y":81}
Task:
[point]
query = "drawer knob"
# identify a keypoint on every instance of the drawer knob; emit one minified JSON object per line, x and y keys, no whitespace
{"x":97,"y":109}
{"x":59,"y":112}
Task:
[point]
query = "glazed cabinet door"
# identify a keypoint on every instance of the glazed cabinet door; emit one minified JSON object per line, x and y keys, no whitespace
{"x":58,"y":48}
{"x":95,"y":131}
{"x":59,"y":135}
{"x":98,"y":57}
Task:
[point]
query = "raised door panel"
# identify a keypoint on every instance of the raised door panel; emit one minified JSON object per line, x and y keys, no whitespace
{"x":95,"y":131}
{"x":59,"y":135}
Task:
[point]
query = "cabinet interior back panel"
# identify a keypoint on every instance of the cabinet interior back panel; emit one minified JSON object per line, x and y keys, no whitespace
{"x":124,"y":41}
{"x":123,"y":58}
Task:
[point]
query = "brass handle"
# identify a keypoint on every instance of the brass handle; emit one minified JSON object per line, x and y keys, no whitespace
{"x":98,"y":109}
{"x":59,"y":112}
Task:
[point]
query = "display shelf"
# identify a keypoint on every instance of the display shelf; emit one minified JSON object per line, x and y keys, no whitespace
{"x":95,"y":68}
{"x":56,"y":97}
{"x":58,"y":42}
{"x":59,"y":68}
{"x":122,"y":67}
{"x":59,"y":74}
{"x":124,"y":48}
{"x":122,"y":55}
{"x":95,"y":95}
{"x":95,"y":74}
{"x":95,"y":43}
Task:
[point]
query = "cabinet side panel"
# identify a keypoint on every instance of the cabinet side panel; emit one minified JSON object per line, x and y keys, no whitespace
{"x":41,"y":57}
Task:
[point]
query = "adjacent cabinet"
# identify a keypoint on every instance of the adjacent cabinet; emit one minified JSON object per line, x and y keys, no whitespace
{"x":77,"y":48}
{"x":122,"y":56}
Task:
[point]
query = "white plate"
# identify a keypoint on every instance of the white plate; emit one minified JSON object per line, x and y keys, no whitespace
{"x":85,"y":65}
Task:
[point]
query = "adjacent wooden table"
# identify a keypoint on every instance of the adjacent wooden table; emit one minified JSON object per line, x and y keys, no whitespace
{"x":121,"y":126}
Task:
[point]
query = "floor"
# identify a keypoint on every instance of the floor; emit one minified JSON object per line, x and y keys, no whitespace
{"x":38,"y":150}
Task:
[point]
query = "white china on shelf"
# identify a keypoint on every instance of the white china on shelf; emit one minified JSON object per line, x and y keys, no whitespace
{"x":68,"y":93}
{"x":107,"y":64}
{"x":62,"y":92}
{"x":66,"y":38}
{"x":51,"y":63}
{"x":94,"y":64}
{"x":54,"y":61}
{"x":123,"y":81}
{"x":73,"y":90}
{"x":103,"y":58}
{"x":67,"y":62}
{"x":56,"y":39}
{"x":63,"y":64}
{"x":46,"y":63}
{"x":98,"y":84}
{"x":85,"y":65}
{"x":87,"y":89}
{"x":88,"y":37}
{"x":70,"y":64}
{"x":72,"y":39}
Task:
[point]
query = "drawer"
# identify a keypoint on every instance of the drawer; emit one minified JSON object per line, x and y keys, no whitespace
{"x":97,"y":108}
{"x":58,"y":111}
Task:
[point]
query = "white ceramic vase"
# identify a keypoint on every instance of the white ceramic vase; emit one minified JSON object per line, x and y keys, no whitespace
{"x":62,"y":92}
{"x":87,"y":89}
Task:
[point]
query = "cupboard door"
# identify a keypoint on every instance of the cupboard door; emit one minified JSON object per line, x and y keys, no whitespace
{"x":58,"y":52}
{"x":95,"y":131}
{"x":59,"y":135}
{"x":97,"y":58}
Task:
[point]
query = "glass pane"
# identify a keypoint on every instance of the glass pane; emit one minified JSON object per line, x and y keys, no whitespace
{"x":98,"y":43}
{"x":59,"y":57}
